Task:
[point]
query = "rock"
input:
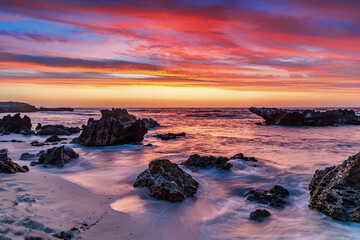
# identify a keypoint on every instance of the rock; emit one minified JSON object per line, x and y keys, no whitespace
{"x":60,"y":109}
{"x":242,"y":157}
{"x":57,"y":130}
{"x":6,"y":165}
{"x":335,"y":190}
{"x":54,"y":138}
{"x":168,"y":136}
{"x":306,"y":117}
{"x":167,"y":181}
{"x":26,"y":168}
{"x":38,"y":127}
{"x":274,"y":197}
{"x":15,"y":124}
{"x":26,"y":197}
{"x":120,"y":114}
{"x":26,"y":156}
{"x":197,"y":161}
{"x":259,"y":214}
{"x":33,"y":238}
{"x":16,"y":141}
{"x":258,"y":123}
{"x":150,"y":123}
{"x":2,"y":131}
{"x":111,"y":131}
{"x":10,"y":107}
{"x":57,"y":156}
{"x":37,"y":144}
{"x":26,"y":132}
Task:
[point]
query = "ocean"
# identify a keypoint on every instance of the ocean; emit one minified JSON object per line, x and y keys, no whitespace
{"x":288,"y":156}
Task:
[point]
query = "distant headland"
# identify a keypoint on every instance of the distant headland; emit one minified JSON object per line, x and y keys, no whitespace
{"x":6,"y":107}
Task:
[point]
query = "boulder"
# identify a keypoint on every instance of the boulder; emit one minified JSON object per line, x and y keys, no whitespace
{"x":11,"y":107}
{"x":167,"y":181}
{"x":274,"y":197}
{"x":37,"y":144}
{"x":242,"y":157}
{"x":57,"y":156}
{"x":57,"y":130}
{"x":7,"y":165}
{"x":197,"y":161}
{"x":168,"y":136}
{"x":15,"y":124}
{"x":259,"y":214}
{"x":289,"y":117}
{"x":54,"y":138}
{"x":335,"y":190}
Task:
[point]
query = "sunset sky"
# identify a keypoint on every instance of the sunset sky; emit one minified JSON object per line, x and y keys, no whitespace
{"x":164,"y":53}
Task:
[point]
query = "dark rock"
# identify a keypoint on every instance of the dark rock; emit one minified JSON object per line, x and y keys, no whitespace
{"x":289,"y":117}
{"x":168,"y":136}
{"x":167,"y":181}
{"x":150,"y":123}
{"x":120,"y":114}
{"x":2,"y":131}
{"x":242,"y":157}
{"x":26,"y":168}
{"x":26,"y":156}
{"x":259,"y":123}
{"x":57,"y":156}
{"x":37,"y":144}
{"x":54,"y":138}
{"x":6,"y":165}
{"x":197,"y":161}
{"x":110,"y":131}
{"x":26,"y":132}
{"x":14,"y":124}
{"x":38,"y":127}
{"x":11,"y":107}
{"x":274,"y":197}
{"x":335,"y":190}
{"x":57,"y":130}
{"x":16,"y":141}
{"x":60,"y":109}
{"x":259,"y":214}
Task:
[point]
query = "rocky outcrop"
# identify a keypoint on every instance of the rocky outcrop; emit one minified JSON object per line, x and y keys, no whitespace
{"x":259,"y":214}
{"x":60,"y":109}
{"x":16,"y":107}
{"x":335,"y":190}
{"x":7,"y":165}
{"x":167,"y":181}
{"x":244,"y":158}
{"x":57,"y":156}
{"x":116,"y":127}
{"x":306,"y":117}
{"x":274,"y":197}
{"x":15,"y":124}
{"x":196,"y":161}
{"x":56,"y":130}
{"x":168,"y":136}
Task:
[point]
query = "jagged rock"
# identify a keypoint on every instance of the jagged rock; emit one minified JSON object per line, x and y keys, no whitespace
{"x":10,"y":107}
{"x":54,"y":138}
{"x":57,"y":130}
{"x":335,"y":190}
{"x":116,"y":127}
{"x":242,"y":157}
{"x":197,"y":161}
{"x":57,"y":156}
{"x":6,"y":165}
{"x":274,"y":197}
{"x":167,"y":181}
{"x":26,"y":156}
{"x":60,"y":109}
{"x":15,"y":124}
{"x":259,"y":214}
{"x":306,"y":117}
{"x":168,"y":136}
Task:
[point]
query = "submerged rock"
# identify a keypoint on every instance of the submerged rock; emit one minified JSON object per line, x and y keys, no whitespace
{"x":56,"y":130}
{"x":259,"y":214}
{"x":57,"y":156}
{"x":115,"y":127}
{"x":274,"y":197}
{"x":306,"y":117}
{"x":8,"y":166}
{"x":15,"y":124}
{"x":26,"y":156}
{"x":242,"y":157}
{"x":167,"y":181}
{"x":37,"y":144}
{"x":197,"y":161}
{"x":335,"y":190}
{"x":11,"y":107}
{"x":168,"y":136}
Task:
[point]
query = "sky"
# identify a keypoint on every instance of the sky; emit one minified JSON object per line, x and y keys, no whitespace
{"x":172,"y":53}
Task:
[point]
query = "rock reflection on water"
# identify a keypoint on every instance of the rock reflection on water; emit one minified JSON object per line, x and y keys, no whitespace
{"x":288,"y":156}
